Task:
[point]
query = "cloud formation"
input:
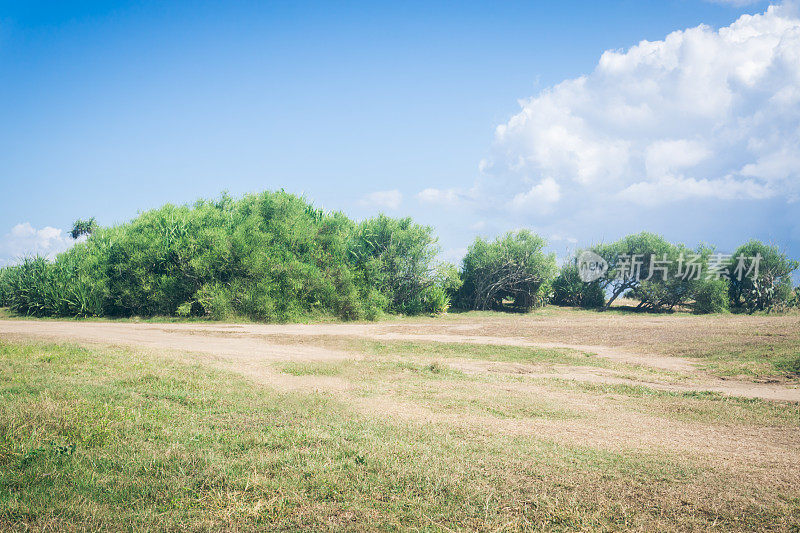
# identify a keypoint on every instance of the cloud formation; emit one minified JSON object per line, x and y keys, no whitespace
{"x":541,"y":196}
{"x":24,"y":240}
{"x":449,"y":197}
{"x":702,"y":114}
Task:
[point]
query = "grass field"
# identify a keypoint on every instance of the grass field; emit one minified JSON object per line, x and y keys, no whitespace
{"x":395,"y":426}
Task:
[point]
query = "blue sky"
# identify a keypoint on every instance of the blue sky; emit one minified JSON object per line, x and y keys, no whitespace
{"x":476,"y":118}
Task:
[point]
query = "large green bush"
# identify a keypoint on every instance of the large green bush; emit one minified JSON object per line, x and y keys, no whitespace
{"x":772,"y":286}
{"x":624,"y":278}
{"x":711,"y":296}
{"x":663,"y":276}
{"x":511,"y":271}
{"x":700,"y":289}
{"x":274,"y":257}
{"x":269,"y":256}
{"x":569,"y":289}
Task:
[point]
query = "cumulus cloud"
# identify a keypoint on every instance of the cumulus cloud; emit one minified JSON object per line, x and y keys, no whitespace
{"x":702,"y":114}
{"x":670,"y":189}
{"x":453,"y":197}
{"x":383,"y":199}
{"x":25,"y":240}
{"x":439,"y":196}
{"x":541,"y":196}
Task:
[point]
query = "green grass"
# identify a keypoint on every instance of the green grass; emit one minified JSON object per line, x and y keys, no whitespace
{"x":440,"y":388}
{"x":433,"y":386}
{"x":763,"y":356}
{"x":371,"y":370}
{"x":120,"y":440}
{"x":487,"y":352}
{"x":702,"y":406}
{"x":460,"y":350}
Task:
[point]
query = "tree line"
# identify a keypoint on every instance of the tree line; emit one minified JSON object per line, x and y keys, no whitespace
{"x":273,"y":256}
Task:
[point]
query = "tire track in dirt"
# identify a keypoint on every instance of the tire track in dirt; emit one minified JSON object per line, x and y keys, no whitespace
{"x":765,"y":452}
{"x":248,"y":341}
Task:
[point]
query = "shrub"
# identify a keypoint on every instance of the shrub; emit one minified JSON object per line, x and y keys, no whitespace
{"x":39,"y":287}
{"x":711,"y":297}
{"x":397,"y":257}
{"x":569,"y":289}
{"x":512,"y":270}
{"x":5,"y":289}
{"x":771,"y":288}
{"x":621,"y":278}
{"x":665,"y":275}
{"x":269,"y":256}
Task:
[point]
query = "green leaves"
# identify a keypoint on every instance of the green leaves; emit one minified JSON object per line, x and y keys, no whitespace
{"x":396,"y":257}
{"x":269,"y":256}
{"x":570,"y":290}
{"x":510,"y":271}
{"x":771,"y":287}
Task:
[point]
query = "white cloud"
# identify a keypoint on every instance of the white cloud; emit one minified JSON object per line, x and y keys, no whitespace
{"x":702,"y":114}
{"x":670,"y":188}
{"x":539,"y":197}
{"x":558,"y":237}
{"x":383,"y":199}
{"x":665,"y":156}
{"x":438,"y":196}
{"x":455,"y":197}
{"x":447,"y":197}
{"x":25,"y":240}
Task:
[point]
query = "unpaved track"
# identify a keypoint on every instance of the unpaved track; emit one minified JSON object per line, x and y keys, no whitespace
{"x":184,"y":337}
{"x":765,"y":455}
{"x":249,"y":343}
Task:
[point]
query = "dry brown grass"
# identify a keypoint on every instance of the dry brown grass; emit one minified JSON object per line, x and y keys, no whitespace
{"x":743,"y":345}
{"x":368,"y":427}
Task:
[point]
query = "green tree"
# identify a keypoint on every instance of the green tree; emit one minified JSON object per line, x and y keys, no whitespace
{"x":766,"y":289}
{"x":633,"y":260}
{"x":270,"y":256}
{"x":711,"y":296}
{"x":398,"y":258}
{"x":83,"y":227}
{"x":688,"y":281}
{"x":570,"y":290}
{"x":662,"y":275}
{"x":513,"y":268}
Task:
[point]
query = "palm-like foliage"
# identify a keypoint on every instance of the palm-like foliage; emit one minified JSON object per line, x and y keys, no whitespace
{"x":269,"y":256}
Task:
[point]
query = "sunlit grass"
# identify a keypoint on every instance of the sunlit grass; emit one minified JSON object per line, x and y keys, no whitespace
{"x":116,"y":439}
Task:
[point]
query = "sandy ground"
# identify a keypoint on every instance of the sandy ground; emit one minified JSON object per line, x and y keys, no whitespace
{"x":764,"y":454}
{"x":270,"y":342}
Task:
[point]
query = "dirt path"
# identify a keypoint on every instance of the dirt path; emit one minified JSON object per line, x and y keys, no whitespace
{"x":607,"y":352}
{"x":764,"y":453}
{"x":184,"y":337}
{"x":251,"y":342}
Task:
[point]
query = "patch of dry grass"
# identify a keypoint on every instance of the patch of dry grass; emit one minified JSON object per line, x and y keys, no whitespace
{"x":101,"y":438}
{"x":750,"y":346}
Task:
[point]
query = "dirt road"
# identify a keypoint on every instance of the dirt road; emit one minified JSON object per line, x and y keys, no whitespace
{"x":240,"y":345}
{"x":487,"y":393}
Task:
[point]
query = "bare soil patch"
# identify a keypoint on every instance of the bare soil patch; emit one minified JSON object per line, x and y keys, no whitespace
{"x":249,"y":342}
